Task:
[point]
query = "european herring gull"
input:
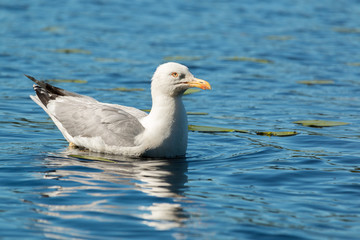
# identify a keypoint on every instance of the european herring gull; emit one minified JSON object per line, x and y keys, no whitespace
{"x":117,"y":129}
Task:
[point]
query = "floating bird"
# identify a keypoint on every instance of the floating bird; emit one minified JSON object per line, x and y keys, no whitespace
{"x":116,"y":129}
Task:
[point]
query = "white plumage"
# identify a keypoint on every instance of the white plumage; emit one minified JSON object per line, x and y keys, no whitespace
{"x":117,"y":129}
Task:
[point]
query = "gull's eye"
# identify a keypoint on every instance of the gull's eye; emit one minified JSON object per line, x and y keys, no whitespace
{"x":175,"y":74}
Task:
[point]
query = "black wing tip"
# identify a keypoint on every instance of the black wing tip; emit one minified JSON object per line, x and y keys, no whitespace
{"x":41,"y":84}
{"x":42,"y":90}
{"x":30,"y":77}
{"x":34,"y":79}
{"x":46,"y":89}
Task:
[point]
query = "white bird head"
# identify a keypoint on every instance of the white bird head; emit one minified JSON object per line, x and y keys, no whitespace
{"x":173,"y":79}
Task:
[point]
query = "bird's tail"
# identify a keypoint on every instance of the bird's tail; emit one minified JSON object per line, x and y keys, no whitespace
{"x":47,"y":92}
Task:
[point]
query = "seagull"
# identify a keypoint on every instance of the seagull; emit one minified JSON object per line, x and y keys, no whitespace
{"x":115,"y":129}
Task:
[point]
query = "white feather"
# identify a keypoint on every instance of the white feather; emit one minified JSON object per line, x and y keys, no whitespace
{"x":117,"y":129}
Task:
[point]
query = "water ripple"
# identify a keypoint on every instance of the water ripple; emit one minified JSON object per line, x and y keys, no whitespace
{"x":231,"y":185}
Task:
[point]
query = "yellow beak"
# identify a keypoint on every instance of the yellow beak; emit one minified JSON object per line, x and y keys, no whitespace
{"x":199,"y":83}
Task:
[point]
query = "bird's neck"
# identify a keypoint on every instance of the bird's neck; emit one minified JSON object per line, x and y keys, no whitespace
{"x":168,"y":110}
{"x":167,"y":123}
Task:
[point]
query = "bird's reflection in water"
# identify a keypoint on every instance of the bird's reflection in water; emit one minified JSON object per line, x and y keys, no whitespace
{"x":159,"y":178}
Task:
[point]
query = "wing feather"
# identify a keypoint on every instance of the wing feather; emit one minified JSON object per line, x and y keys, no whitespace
{"x":82,"y":117}
{"x":113,"y":125}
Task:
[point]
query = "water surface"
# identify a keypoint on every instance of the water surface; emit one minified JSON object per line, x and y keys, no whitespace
{"x":230,"y":185}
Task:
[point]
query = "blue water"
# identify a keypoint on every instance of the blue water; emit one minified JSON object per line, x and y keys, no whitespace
{"x":230,"y":185}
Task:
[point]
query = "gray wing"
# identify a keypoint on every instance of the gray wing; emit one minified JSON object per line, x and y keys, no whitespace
{"x":132,"y":111}
{"x":82,"y":116}
{"x":88,"y":119}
